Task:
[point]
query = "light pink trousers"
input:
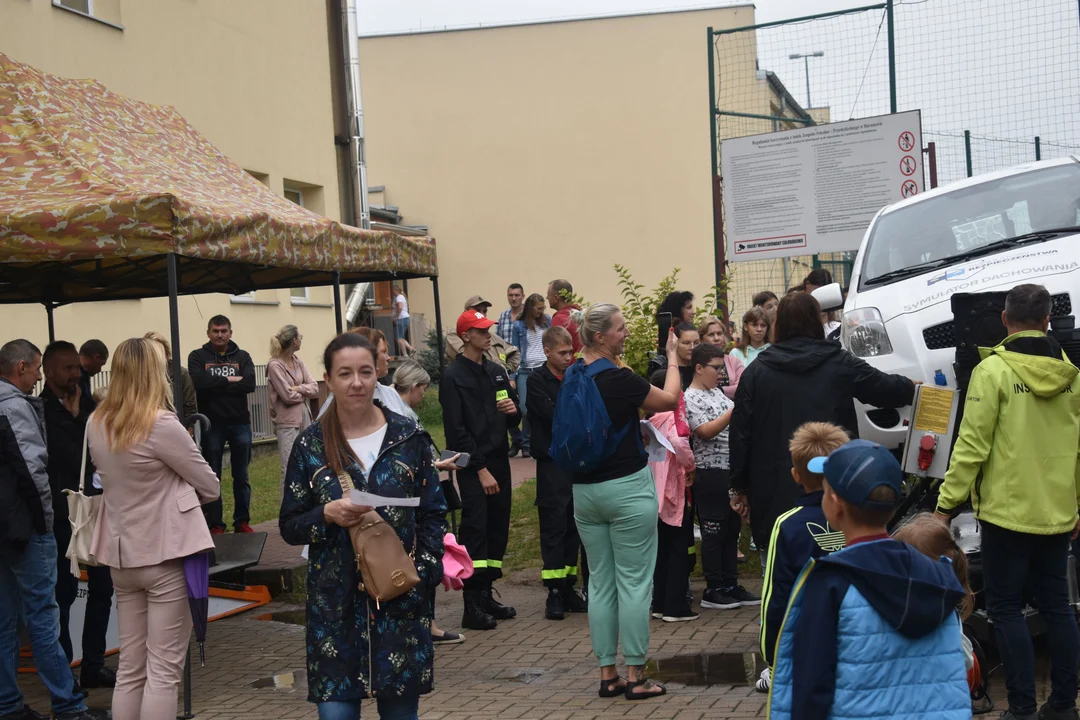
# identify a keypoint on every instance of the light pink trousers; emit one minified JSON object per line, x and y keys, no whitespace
{"x":155,"y":626}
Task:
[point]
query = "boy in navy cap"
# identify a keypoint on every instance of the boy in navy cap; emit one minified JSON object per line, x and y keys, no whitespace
{"x":871,"y":630}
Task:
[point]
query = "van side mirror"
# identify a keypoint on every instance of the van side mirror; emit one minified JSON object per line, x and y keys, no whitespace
{"x":830,"y":297}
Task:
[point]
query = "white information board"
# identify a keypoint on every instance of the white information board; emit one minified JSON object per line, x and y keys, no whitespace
{"x":816,"y":189}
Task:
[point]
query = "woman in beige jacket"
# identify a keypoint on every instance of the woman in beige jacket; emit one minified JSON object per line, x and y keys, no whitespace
{"x":155,"y":482}
{"x":290,"y":387}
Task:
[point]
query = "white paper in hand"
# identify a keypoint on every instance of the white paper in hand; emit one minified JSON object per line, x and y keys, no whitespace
{"x":658,"y":446}
{"x":359,"y":497}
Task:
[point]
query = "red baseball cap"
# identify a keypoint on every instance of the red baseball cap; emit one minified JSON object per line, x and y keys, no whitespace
{"x":471,"y":319}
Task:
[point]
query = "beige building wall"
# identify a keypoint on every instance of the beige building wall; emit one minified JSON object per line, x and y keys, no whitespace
{"x":550,"y":150}
{"x":253,"y":76}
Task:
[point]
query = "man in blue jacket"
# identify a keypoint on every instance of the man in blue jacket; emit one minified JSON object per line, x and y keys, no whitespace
{"x":872,"y":630}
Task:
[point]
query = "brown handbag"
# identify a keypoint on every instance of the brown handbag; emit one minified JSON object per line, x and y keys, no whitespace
{"x":386,"y":570}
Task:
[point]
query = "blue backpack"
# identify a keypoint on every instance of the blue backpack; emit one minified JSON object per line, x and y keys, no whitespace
{"x":582,"y":437}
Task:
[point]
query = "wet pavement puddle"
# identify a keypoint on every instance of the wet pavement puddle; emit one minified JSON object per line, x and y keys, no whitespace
{"x":290,"y":617}
{"x":707,"y":669}
{"x":296,"y":680}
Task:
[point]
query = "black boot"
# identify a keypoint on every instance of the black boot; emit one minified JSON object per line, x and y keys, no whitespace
{"x":572,"y":600}
{"x":495,"y":608}
{"x":554,"y":610}
{"x":476,"y":617}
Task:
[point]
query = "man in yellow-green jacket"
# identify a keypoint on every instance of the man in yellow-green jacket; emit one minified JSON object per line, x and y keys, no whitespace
{"x":1016,"y":457}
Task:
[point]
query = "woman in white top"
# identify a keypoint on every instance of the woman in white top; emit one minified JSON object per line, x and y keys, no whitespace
{"x":528,"y":337}
{"x":754,"y":336}
{"x":401,"y":320}
{"x":383,"y":393}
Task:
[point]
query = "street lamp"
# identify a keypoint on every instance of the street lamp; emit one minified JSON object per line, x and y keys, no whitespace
{"x":805,"y":57}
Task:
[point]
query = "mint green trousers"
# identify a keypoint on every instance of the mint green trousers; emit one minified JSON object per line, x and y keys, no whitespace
{"x":617,"y":523}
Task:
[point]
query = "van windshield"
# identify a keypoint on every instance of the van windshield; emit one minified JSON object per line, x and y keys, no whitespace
{"x":964,"y":220}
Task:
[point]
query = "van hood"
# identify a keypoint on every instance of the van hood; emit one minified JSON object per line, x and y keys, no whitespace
{"x":1037,"y":360}
{"x":1000,"y":271}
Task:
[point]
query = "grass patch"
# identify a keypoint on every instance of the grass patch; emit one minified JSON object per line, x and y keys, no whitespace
{"x":523,"y":548}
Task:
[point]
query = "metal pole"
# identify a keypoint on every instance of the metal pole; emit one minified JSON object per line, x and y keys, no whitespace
{"x":337,"y":301}
{"x":806,"y":65}
{"x":174,"y":334}
{"x":1038,"y":148}
{"x":438,"y":324}
{"x":889,"y":12}
{"x":52,"y":323}
{"x":967,"y":151}
{"x":931,"y":162}
{"x":714,"y":169}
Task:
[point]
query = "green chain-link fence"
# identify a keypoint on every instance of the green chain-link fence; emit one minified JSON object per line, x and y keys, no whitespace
{"x":990,"y":76}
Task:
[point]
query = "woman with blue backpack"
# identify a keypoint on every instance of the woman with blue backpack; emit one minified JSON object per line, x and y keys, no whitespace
{"x":596,"y":435}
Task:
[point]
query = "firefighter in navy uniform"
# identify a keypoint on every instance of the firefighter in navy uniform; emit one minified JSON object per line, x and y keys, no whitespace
{"x":559,"y":541}
{"x":478,"y":405}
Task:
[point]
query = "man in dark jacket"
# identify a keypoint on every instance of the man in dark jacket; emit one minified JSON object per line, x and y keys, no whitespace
{"x":800,"y":378}
{"x":67,"y":408}
{"x":559,"y":541}
{"x":27,"y":546}
{"x":92,"y":356}
{"x":224,"y":376}
{"x":477,"y":402}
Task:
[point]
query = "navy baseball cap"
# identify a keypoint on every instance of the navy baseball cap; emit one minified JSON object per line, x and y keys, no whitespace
{"x":857,"y":469}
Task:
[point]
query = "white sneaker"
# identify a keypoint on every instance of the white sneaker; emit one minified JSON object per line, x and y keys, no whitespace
{"x":763,"y":683}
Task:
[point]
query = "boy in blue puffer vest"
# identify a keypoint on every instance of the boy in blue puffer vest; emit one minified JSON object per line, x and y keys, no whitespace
{"x":871,"y":630}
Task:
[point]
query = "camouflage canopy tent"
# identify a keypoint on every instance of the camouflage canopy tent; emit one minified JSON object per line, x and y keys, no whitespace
{"x":107,"y":198}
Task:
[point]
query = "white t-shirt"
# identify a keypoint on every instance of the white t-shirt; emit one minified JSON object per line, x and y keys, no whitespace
{"x":535,"y":340}
{"x":404,"y":306}
{"x":703,"y":406}
{"x":366,"y":449}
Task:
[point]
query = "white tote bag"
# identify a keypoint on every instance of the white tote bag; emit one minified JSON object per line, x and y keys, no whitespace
{"x":83,"y":514}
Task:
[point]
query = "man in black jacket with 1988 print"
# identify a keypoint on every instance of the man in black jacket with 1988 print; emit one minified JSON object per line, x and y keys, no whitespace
{"x":478,"y":404}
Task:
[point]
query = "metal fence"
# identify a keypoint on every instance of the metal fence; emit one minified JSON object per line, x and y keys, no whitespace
{"x":995,"y":80}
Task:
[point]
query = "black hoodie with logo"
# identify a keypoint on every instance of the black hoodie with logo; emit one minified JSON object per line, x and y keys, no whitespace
{"x":789,"y":384}
{"x":224,"y":402}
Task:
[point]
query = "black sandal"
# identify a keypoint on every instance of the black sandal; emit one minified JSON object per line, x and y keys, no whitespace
{"x":610,"y":688}
{"x":631,"y":695}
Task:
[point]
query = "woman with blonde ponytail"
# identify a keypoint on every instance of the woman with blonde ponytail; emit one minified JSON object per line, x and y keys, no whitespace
{"x":290,"y":387}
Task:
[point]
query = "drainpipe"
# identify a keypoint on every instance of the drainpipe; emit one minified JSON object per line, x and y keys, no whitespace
{"x":357,"y":159}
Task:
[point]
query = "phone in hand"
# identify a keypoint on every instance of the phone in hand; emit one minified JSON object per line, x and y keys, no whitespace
{"x":461,"y":462}
{"x":664,"y":320}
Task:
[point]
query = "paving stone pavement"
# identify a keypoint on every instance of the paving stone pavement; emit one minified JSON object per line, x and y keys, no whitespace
{"x":526,"y":668}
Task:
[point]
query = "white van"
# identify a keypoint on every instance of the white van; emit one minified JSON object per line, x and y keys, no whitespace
{"x":987,"y":233}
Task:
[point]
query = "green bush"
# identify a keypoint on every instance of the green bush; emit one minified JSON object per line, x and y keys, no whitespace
{"x":430,"y":357}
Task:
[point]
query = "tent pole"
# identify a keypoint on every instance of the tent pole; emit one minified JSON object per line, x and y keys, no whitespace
{"x":440,"y":350}
{"x":174,"y":335}
{"x":337,"y":301}
{"x":52,"y":323}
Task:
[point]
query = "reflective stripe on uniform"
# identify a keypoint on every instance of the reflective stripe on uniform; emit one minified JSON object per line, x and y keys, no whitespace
{"x":766,"y":590}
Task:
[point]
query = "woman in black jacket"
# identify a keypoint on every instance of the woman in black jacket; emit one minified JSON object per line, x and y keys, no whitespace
{"x":801,"y":378}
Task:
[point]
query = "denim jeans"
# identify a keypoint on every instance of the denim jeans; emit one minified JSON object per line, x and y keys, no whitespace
{"x":390,"y":708}
{"x":239,"y":439}
{"x":27,"y":581}
{"x":522,"y":381}
{"x":99,"y":591}
{"x":1010,"y":561}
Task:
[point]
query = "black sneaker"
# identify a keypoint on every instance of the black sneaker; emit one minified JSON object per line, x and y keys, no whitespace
{"x":495,"y":608}
{"x":686,"y":616}
{"x":448,"y":638}
{"x":744,"y":597}
{"x":514,"y":450}
{"x":554,"y":609}
{"x":573,"y":601}
{"x":717,"y":599}
{"x":88,"y":714}
{"x":1010,"y":715}
{"x":27,"y":713}
{"x":97,"y":677}
{"x":76,"y":688}
{"x":1048,"y":713}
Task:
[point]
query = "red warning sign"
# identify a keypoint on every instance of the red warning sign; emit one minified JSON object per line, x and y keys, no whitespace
{"x":906,"y":141}
{"x":907,"y":165}
{"x":909,"y":188}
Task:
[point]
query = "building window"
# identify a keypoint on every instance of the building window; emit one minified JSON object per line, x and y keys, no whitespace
{"x":245,"y":297}
{"x":297,"y":296}
{"x":295,"y":195}
{"x":84,"y":6}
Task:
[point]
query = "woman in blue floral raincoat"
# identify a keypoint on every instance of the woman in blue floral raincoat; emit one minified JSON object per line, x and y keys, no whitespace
{"x":356,"y":650}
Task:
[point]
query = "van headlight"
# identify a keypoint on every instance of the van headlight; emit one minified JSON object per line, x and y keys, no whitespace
{"x":864,"y":333}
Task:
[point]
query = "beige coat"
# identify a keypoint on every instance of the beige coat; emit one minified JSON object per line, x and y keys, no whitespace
{"x":287,"y":406}
{"x":153,"y":492}
{"x":501,"y":352}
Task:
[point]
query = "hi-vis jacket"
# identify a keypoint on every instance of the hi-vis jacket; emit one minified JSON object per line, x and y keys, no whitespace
{"x":1016,"y":453}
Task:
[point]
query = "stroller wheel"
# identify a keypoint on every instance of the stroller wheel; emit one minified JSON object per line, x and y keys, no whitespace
{"x":978,"y":680}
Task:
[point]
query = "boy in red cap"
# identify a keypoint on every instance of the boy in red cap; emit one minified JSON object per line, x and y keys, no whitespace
{"x":478,"y":404}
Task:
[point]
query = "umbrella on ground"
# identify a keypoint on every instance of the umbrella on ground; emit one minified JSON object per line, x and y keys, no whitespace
{"x":197,"y":578}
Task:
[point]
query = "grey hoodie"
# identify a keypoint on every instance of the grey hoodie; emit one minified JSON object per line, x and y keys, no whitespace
{"x":26,"y":414}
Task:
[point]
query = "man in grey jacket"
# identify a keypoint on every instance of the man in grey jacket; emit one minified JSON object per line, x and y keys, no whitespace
{"x":28,"y":574}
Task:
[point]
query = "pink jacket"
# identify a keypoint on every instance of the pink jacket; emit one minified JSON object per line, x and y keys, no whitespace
{"x":670,"y":475}
{"x":153,"y":492}
{"x":287,"y":406}
{"x":734,"y":372}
